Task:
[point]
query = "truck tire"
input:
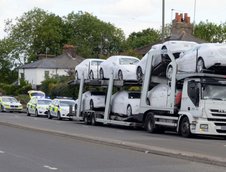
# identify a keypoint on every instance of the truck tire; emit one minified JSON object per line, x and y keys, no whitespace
{"x":149,"y":123}
{"x":185,"y":128}
{"x":93,"y":120}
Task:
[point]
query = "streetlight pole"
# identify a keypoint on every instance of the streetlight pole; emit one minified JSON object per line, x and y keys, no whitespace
{"x":163,"y":20}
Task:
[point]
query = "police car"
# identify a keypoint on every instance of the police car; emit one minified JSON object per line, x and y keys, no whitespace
{"x":11,"y":104}
{"x":60,"y":108}
{"x":38,"y":106}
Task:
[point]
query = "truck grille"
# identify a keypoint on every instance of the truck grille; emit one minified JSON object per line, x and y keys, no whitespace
{"x":218,"y":113}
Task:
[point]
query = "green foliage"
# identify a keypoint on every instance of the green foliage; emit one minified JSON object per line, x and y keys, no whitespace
{"x":58,"y":86}
{"x":34,"y":31}
{"x":92,"y":36}
{"x":140,"y":39}
{"x":211,"y":32}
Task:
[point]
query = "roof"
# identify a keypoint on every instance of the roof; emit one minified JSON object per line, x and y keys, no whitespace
{"x":63,"y":61}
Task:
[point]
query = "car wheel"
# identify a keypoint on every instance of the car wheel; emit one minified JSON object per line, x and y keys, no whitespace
{"x":36,"y":113}
{"x":139,"y":74}
{"x":58,"y":116}
{"x":76,"y":75}
{"x":129,"y":111}
{"x":200,"y":66}
{"x":164,"y":54}
{"x":91,"y":104}
{"x":169,"y":72}
{"x":150,"y":123}
{"x":120,"y":75}
{"x":28,"y":114}
{"x":185,"y":127}
{"x":101,"y":74}
{"x":49,"y":115}
{"x":91,"y":75}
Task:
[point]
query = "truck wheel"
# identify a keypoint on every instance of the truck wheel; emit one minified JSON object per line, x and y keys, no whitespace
{"x":49,"y":115}
{"x":93,"y":119}
{"x":185,"y":127}
{"x":28,"y":114}
{"x":58,"y":116}
{"x":150,"y":123}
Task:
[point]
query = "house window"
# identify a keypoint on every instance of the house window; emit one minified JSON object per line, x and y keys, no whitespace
{"x":46,"y":74}
{"x":22,"y":76}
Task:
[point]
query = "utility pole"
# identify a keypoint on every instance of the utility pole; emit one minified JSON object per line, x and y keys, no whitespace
{"x":163,"y":20}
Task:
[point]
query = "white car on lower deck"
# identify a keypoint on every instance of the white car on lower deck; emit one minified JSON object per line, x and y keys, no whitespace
{"x":92,"y":100}
{"x":125,"y":103}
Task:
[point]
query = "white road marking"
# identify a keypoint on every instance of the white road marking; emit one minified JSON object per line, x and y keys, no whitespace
{"x":2,"y":152}
{"x":51,"y":168}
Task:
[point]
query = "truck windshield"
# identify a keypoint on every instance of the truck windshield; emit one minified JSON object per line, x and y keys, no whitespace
{"x":214,"y":92}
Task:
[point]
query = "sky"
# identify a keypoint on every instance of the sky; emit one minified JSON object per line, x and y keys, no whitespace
{"x":129,"y":15}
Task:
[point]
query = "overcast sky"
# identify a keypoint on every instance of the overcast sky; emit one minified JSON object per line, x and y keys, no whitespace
{"x":129,"y":15}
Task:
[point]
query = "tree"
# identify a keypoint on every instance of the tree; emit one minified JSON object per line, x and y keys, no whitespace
{"x":140,"y":39}
{"x":92,"y":36}
{"x":211,"y":32}
{"x":34,"y":32}
{"x":8,"y":62}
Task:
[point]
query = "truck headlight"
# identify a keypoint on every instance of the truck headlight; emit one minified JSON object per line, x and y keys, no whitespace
{"x":204,"y":127}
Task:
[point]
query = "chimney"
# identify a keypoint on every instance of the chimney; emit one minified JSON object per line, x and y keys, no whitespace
{"x":69,"y":50}
{"x":181,"y":23}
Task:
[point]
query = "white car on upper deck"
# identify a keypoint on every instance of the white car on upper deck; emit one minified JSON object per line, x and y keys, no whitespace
{"x":88,"y":67}
{"x":123,"y":67}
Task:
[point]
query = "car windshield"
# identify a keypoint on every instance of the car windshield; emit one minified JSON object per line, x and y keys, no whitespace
{"x":37,"y":95}
{"x":126,"y":61}
{"x":96,"y":63}
{"x":134,"y":95}
{"x":66,"y":103}
{"x":44,"y":102}
{"x":9,"y":99}
{"x":214,"y":92}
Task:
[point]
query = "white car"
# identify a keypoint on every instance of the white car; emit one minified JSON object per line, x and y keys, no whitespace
{"x":123,"y":67}
{"x":10,"y":104}
{"x":90,"y":68}
{"x":60,"y":108}
{"x":176,"y":47}
{"x":207,"y":56}
{"x":92,"y":100}
{"x":125,"y":103}
{"x":38,"y":106}
{"x":141,"y":65}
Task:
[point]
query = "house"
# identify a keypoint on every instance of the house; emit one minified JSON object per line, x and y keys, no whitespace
{"x":37,"y":71}
{"x":181,"y":29}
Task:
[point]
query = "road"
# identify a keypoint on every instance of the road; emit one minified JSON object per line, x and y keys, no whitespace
{"x":26,"y":150}
{"x":203,"y":146}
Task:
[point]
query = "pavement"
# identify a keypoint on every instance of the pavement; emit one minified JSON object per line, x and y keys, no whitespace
{"x":206,"y":150}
